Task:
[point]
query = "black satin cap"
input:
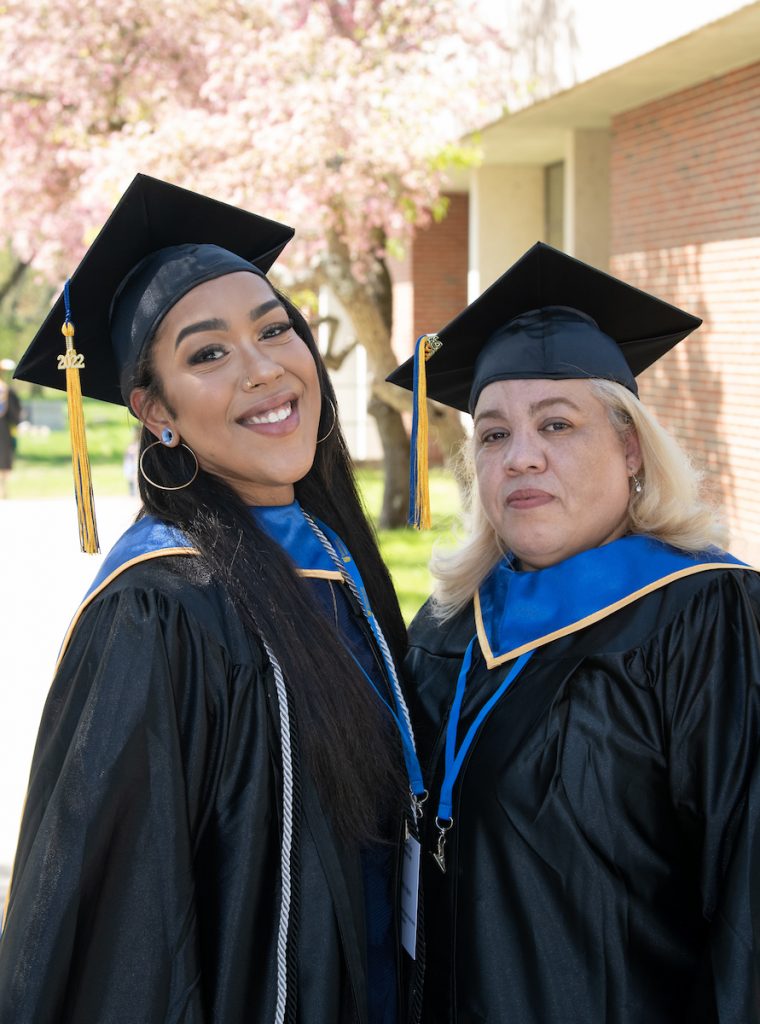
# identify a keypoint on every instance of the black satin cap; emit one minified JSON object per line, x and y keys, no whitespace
{"x":159,"y":243}
{"x":549,"y":316}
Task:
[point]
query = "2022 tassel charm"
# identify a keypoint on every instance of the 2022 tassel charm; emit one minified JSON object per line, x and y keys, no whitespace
{"x":72,"y":362}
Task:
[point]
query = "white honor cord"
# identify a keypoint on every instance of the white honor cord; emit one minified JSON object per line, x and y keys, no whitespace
{"x":287,"y":836}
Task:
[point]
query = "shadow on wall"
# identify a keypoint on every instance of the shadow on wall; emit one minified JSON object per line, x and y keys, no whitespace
{"x":685,"y":387}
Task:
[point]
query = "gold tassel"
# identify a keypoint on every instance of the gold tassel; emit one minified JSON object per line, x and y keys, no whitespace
{"x":419,"y":517}
{"x":72,"y":362}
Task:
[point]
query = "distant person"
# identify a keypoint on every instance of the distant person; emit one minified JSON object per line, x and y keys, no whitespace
{"x":10,"y":415}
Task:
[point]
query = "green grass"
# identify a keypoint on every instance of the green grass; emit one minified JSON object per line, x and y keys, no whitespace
{"x":43,"y":470}
{"x":407,"y":551}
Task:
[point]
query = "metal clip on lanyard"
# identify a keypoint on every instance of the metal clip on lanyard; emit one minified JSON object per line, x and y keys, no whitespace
{"x":454,"y":759}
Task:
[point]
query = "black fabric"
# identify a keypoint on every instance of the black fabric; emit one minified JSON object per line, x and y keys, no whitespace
{"x":147,"y":880}
{"x":150,"y":216}
{"x":553,"y":343}
{"x":377,"y":862}
{"x":643,"y":326}
{"x":604,"y":865}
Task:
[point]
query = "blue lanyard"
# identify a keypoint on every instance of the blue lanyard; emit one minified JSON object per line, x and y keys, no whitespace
{"x":413,"y":769}
{"x":348,"y":568}
{"x":454,"y":759}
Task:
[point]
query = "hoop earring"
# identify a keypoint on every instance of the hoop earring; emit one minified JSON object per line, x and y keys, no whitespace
{"x":161,"y":487}
{"x":335,"y":420}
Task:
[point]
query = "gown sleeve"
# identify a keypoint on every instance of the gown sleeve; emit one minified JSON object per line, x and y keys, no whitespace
{"x":713,"y":689}
{"x":101,"y":922}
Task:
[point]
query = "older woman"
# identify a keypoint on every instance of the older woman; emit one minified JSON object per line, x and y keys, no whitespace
{"x":212,"y":830}
{"x":587,"y":684}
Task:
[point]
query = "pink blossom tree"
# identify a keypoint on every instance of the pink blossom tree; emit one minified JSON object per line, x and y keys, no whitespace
{"x":338,"y":116}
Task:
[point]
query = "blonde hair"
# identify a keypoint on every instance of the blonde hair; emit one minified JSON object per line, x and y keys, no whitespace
{"x":669,"y":506}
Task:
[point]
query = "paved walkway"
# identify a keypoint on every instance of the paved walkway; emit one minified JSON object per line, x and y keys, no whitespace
{"x":43,"y":577}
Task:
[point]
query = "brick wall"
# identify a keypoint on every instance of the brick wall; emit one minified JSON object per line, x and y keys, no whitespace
{"x":439,"y":270}
{"x":685,"y":216}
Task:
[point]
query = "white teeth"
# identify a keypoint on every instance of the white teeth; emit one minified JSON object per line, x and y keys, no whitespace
{"x":274,"y":415}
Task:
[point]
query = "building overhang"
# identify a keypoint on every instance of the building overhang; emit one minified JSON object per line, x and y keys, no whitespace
{"x":537,"y":134}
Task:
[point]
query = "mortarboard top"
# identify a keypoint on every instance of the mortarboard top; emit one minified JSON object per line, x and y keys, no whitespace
{"x":549,"y":316}
{"x":213,"y":239}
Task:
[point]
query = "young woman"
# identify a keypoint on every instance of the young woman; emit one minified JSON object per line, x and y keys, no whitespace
{"x":587,"y":680}
{"x":221,"y":781}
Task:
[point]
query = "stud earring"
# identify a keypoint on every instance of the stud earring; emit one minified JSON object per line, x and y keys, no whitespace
{"x":167,"y":436}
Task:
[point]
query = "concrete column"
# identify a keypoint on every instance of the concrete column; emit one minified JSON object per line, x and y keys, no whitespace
{"x":506,"y":218}
{"x":587,"y":196}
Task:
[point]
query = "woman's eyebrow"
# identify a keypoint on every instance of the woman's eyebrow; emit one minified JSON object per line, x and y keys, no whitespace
{"x":222,"y":325}
{"x":557,"y":400}
{"x":265,"y":307}
{"x":485,"y":414}
{"x":201,"y":325}
{"x":535,"y":407}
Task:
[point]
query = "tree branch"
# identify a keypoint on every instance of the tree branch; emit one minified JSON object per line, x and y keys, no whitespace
{"x":333,"y":356}
{"x":20,"y":267}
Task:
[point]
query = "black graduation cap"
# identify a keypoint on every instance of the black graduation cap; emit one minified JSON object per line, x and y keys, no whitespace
{"x":159,"y":242}
{"x":548,"y":316}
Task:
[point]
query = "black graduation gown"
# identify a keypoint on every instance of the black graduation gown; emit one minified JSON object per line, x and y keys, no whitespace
{"x":604,"y":865}
{"x":146,"y":887}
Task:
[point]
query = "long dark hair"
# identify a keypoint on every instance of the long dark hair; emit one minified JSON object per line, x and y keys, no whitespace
{"x":349,"y":748}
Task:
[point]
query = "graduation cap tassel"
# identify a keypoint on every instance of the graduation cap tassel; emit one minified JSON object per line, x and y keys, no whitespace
{"x":72,"y":362}
{"x":419,"y":489}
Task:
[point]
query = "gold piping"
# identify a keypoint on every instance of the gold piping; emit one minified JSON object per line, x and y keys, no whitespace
{"x":320,"y":574}
{"x":493,"y":661}
{"x":326,"y":574}
{"x":112,"y":576}
{"x":109,"y":579}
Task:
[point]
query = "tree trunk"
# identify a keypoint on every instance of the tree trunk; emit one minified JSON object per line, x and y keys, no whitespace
{"x":17,"y":272}
{"x":369,"y":306}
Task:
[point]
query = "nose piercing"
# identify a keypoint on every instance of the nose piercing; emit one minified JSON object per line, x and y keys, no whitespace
{"x":248,"y":384}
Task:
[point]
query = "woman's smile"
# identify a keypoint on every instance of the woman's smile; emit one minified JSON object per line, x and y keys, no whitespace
{"x":275,"y":416}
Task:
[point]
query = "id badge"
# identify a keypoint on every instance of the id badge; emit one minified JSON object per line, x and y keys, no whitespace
{"x":410,"y":887}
